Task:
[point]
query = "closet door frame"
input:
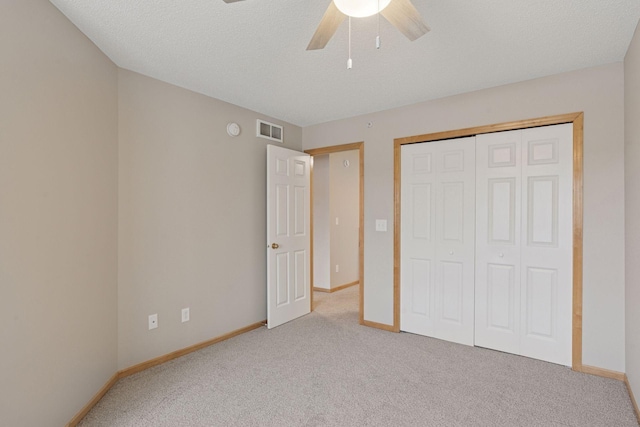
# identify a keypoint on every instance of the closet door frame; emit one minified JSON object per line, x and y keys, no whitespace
{"x":577,"y":119}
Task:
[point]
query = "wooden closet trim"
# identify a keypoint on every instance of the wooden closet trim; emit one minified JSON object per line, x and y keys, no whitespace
{"x":577,"y":119}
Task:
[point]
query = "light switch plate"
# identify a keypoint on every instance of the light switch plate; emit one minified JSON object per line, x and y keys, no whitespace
{"x":381,"y":225}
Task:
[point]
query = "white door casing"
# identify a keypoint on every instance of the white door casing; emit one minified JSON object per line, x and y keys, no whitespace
{"x":288,"y":235}
{"x":437,"y":254}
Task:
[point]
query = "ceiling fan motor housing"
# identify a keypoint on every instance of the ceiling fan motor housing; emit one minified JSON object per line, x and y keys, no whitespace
{"x":361,"y":8}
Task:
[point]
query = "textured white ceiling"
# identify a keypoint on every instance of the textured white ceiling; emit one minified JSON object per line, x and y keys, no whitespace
{"x":252,"y":53}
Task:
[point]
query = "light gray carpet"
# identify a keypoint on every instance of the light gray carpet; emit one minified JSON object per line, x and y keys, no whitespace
{"x":326,"y":370}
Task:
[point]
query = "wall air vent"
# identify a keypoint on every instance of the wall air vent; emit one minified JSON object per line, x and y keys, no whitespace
{"x":269,"y":131}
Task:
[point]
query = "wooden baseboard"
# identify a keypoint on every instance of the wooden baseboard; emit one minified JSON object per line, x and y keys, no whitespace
{"x":633,"y":399}
{"x":154,"y":362}
{"x":337,"y":288}
{"x":179,"y":353}
{"x":384,"y":327}
{"x":85,"y":410}
{"x":601,"y":372}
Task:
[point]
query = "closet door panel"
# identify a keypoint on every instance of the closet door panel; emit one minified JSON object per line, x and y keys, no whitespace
{"x":547,"y":243}
{"x":437,"y":239}
{"x":498,"y":200}
{"x":487,"y":241}
{"x":455,"y":234}
{"x":500,"y":298}
{"x":418,"y":263}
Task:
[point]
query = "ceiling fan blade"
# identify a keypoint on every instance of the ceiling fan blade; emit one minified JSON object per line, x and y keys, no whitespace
{"x":403,"y":15}
{"x":231,"y":1}
{"x":326,"y":29}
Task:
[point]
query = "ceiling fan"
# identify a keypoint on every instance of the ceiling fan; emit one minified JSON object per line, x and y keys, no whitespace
{"x":402,"y":14}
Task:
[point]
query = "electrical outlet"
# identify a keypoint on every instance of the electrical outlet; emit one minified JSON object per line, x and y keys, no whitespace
{"x":185,"y":314}
{"x":153,"y":321}
{"x":337,"y":268}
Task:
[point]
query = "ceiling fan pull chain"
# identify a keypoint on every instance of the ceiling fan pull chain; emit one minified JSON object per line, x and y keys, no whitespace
{"x":378,"y":36}
{"x":349,"y":61}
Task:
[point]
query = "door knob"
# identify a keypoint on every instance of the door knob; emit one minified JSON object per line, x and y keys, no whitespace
{"x":500,"y":254}
{"x":450,"y":252}
{"x":275,"y":246}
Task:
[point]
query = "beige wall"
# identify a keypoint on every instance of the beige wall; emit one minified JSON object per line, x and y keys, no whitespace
{"x":599,"y":93}
{"x":335,"y":195}
{"x":632,"y":210}
{"x":344,"y":205}
{"x":192,"y":227}
{"x":191,"y":209}
{"x":58,"y":216}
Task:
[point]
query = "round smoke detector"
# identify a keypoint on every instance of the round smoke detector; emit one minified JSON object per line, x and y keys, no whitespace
{"x":233,"y":129}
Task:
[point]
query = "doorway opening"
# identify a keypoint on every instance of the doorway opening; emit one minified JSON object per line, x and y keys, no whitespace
{"x":337,"y":220}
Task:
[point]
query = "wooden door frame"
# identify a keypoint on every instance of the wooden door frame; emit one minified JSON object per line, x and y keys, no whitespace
{"x":577,"y":119}
{"x":337,"y":149}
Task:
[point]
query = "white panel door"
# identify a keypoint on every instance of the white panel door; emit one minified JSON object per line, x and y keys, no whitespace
{"x":437,"y":253}
{"x":524,"y":239}
{"x":288,"y":235}
{"x":546,"y":274}
{"x":498,"y":206}
{"x":418,"y":231}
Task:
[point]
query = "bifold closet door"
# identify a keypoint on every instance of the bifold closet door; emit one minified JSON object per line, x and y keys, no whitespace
{"x":498,"y":219}
{"x":437,"y":239}
{"x":524,"y":242}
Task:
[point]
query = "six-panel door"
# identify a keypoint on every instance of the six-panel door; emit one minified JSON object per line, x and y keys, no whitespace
{"x":288,"y":235}
{"x":498,"y":224}
{"x":524,"y":241}
{"x":547,"y":243}
{"x":438,"y":202}
{"x":518,"y":294}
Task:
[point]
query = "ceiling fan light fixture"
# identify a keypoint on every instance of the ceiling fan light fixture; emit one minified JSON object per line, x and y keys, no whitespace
{"x":361,"y":8}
